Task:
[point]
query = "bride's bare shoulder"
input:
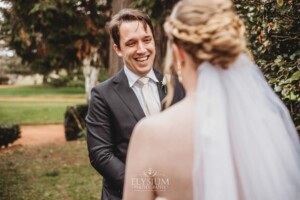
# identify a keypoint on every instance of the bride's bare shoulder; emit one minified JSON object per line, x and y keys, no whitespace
{"x":162,"y":122}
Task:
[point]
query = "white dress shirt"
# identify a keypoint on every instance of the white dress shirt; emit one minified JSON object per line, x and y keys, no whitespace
{"x":136,"y":87}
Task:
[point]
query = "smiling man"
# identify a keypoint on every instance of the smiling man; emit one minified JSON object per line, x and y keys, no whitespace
{"x":120,"y":102}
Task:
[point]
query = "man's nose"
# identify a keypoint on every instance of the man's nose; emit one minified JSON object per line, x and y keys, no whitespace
{"x":141,"y":47}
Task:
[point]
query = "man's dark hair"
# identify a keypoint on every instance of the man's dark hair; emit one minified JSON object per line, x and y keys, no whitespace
{"x":127,"y":15}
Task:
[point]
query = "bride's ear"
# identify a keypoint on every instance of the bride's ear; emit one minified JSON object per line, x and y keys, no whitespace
{"x":178,"y":53}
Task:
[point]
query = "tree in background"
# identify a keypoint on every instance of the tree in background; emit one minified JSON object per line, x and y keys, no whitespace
{"x":273,"y":31}
{"x":59,"y":34}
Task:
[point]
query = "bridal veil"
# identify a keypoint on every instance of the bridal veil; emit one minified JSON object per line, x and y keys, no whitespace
{"x":246,"y":145}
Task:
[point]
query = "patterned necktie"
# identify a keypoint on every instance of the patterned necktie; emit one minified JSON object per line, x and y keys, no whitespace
{"x":151,"y":105}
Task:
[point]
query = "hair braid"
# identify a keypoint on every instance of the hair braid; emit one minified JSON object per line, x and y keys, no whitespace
{"x":216,"y":34}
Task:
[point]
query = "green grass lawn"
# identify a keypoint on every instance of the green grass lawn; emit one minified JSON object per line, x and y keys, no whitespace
{"x":42,"y":91}
{"x":54,"y":171}
{"x":33,"y":112}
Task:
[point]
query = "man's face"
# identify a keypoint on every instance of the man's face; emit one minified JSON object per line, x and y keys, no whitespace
{"x":137,"y":47}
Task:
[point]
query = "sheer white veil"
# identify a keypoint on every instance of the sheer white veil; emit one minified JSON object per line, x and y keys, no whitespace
{"x":246,"y":145}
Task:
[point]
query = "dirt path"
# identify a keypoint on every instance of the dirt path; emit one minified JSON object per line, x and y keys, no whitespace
{"x":41,"y":134}
{"x":12,"y":86}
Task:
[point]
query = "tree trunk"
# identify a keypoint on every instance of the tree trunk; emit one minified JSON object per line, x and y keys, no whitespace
{"x":160,"y":47}
{"x":90,"y":77}
{"x":115,"y":62}
{"x":91,"y":68}
{"x":45,"y":77}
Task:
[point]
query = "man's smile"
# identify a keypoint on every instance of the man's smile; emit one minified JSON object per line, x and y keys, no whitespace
{"x":142,"y":59}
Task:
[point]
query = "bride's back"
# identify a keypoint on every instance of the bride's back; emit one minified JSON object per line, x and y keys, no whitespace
{"x":172,"y":152}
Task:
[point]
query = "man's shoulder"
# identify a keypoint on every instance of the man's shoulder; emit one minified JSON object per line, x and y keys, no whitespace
{"x":110,"y":82}
{"x":105,"y":83}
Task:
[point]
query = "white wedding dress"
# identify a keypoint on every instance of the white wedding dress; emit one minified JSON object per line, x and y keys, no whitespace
{"x":246,"y":145}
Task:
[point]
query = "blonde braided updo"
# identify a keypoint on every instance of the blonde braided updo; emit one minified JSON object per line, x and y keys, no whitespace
{"x":209,"y":30}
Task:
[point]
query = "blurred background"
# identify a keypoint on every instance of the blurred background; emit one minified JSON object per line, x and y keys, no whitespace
{"x":52,"y":52}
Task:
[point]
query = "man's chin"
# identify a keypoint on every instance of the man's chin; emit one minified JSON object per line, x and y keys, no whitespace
{"x":143,"y":71}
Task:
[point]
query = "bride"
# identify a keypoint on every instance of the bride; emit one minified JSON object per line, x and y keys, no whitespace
{"x":231,"y":137}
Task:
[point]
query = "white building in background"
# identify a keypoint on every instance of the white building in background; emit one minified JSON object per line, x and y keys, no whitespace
{"x":18,"y":79}
{"x":7,"y":76}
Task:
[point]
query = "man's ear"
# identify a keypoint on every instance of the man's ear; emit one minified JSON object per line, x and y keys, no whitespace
{"x":118,"y":50}
{"x":178,"y":52}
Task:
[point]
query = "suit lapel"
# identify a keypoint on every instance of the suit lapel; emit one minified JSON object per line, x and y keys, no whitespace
{"x":127,"y":95}
{"x":162,"y":93}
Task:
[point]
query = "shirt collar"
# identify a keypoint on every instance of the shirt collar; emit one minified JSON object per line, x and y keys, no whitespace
{"x":132,"y":77}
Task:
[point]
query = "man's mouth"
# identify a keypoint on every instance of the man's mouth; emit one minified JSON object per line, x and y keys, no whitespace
{"x":142,"y":59}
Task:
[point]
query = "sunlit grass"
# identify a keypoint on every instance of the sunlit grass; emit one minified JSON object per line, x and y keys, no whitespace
{"x":42,"y":91}
{"x":37,"y":112}
{"x":33,"y":112}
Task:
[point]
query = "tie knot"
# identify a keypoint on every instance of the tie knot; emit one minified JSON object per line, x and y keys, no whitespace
{"x":144,"y":80}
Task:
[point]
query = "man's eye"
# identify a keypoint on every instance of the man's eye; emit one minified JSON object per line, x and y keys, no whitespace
{"x":148,"y":40}
{"x":130,"y":44}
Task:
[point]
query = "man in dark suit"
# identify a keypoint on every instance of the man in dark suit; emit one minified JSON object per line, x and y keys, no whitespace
{"x":120,"y":102}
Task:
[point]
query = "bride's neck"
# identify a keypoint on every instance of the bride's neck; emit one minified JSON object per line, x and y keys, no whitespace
{"x":189,"y":78}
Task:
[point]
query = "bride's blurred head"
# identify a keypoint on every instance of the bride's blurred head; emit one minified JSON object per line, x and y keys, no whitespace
{"x":207,"y":30}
